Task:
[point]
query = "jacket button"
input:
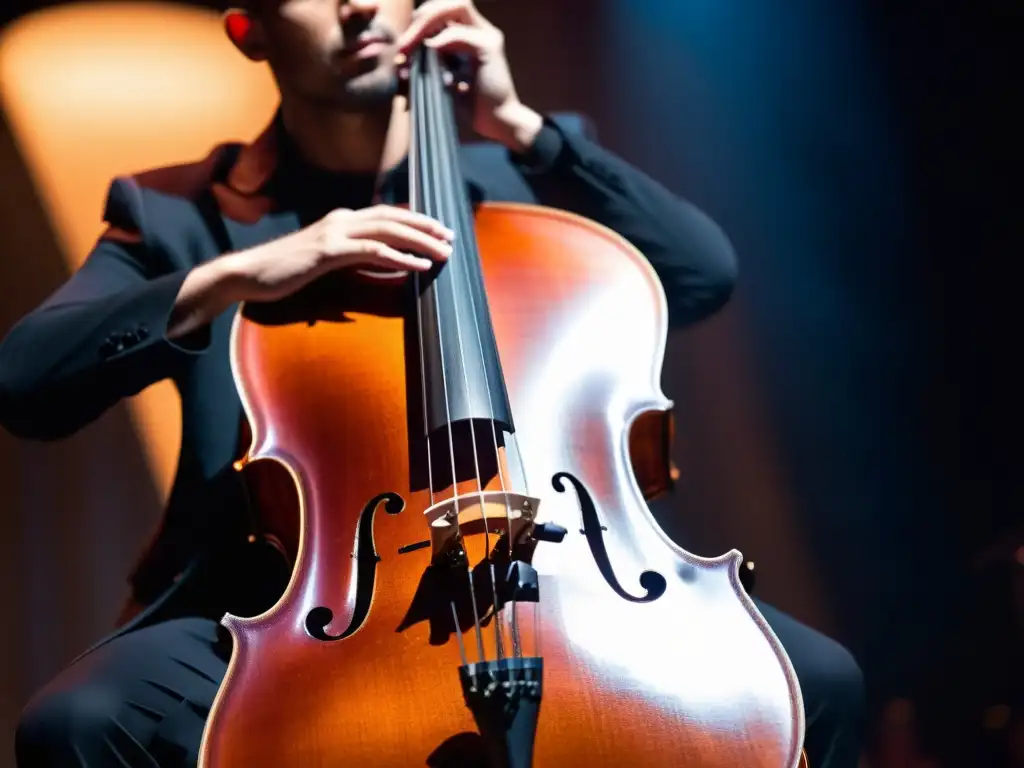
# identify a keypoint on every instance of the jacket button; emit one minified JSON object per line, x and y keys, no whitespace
{"x":108,"y":347}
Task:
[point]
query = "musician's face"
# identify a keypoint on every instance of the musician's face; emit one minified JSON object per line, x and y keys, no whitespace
{"x":334,"y":51}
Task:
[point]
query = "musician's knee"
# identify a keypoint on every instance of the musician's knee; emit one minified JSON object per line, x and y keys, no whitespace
{"x":61,"y":726}
{"x":838,"y":684}
{"x":833,"y":690}
{"x":830,"y":678}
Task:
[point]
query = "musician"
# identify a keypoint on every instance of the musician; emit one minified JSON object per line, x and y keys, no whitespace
{"x":154,"y":300}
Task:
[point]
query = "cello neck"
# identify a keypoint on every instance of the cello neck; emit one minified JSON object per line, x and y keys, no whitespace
{"x":436,"y":184}
{"x":462,"y":379}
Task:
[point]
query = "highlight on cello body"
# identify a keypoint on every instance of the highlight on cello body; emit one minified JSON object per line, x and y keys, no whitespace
{"x":450,"y":459}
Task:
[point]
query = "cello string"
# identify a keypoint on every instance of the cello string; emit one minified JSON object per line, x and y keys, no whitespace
{"x":432,"y":75}
{"x":449,"y":158}
{"x":462,"y":211}
{"x":416,"y":204}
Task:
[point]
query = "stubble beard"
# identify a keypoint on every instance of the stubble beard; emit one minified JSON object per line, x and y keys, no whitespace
{"x":370,"y":91}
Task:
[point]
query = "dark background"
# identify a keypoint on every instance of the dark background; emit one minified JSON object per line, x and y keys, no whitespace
{"x":861,"y":157}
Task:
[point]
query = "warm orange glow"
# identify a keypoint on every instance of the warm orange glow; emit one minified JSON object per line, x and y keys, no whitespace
{"x":94,"y":91}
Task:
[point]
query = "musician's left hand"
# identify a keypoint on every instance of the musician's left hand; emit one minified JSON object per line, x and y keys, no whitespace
{"x":457,"y":26}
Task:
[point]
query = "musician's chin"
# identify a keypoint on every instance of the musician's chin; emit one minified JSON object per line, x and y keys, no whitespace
{"x":374,"y":82}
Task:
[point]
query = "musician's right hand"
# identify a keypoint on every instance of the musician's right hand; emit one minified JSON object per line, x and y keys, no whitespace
{"x":381,"y":238}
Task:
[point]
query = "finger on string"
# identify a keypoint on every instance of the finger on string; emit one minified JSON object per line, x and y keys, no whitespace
{"x":404,"y":215}
{"x":459,"y":38}
{"x":431,"y":19}
{"x":373,"y":253}
{"x":434,"y":8}
{"x":406,"y":238}
{"x":389,"y":257}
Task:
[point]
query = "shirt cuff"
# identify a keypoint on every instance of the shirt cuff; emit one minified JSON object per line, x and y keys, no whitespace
{"x":544,"y":153}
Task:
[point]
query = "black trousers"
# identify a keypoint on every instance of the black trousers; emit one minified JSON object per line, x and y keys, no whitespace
{"x":141,"y":700}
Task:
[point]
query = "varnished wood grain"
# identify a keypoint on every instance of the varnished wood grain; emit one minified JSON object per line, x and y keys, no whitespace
{"x":694,"y":678}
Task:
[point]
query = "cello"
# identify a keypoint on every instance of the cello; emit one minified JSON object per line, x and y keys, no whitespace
{"x":476,"y":579}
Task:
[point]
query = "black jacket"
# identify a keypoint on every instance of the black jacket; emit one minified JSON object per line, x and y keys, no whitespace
{"x":101,"y":336}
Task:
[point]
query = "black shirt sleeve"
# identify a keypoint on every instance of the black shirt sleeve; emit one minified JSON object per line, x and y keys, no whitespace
{"x":100,"y":337}
{"x":692,"y":256}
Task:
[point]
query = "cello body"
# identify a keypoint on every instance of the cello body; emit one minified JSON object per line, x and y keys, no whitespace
{"x":651,"y":656}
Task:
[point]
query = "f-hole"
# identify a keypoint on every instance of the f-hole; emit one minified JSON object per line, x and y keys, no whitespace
{"x":652,"y":582}
{"x":319,"y":618}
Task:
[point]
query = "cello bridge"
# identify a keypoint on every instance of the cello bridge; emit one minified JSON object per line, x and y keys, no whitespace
{"x":474,"y":513}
